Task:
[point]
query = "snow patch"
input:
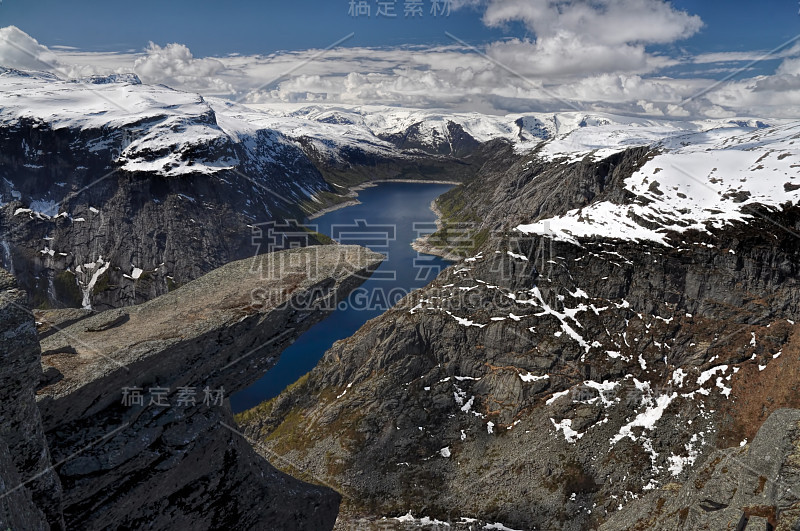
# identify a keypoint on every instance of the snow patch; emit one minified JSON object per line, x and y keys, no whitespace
{"x":565,"y":426}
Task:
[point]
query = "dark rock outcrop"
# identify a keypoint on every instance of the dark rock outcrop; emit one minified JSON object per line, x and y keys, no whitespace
{"x":30,"y":492}
{"x":174,"y":229}
{"x":139,"y":414}
{"x":130,"y":190}
{"x":546,"y":384}
{"x":754,"y":487}
{"x":454,"y":140}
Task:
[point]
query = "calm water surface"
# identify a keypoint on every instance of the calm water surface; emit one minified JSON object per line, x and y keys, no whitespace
{"x":390,"y":217}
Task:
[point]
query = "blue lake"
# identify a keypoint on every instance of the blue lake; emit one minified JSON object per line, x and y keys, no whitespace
{"x":390,"y":217}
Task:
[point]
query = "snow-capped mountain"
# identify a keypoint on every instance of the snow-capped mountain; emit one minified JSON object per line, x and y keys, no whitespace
{"x":113,"y":190}
{"x":632,"y":277}
{"x":572,"y":134}
{"x":108,"y":184}
{"x":166,"y":132}
{"x":697,"y":181}
{"x":623,"y":325}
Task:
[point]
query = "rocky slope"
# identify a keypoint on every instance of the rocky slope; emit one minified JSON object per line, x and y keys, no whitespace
{"x":616,"y":326}
{"x":113,"y":192}
{"x":30,"y":491}
{"x":752,"y":487}
{"x":134,"y":403}
{"x":623,"y":279}
{"x":130,"y":425}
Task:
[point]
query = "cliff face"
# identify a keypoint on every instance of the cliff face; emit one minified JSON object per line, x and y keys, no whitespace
{"x":551,"y":379}
{"x":115,"y":193}
{"x":752,"y":487}
{"x":30,"y":491}
{"x":609,"y":329}
{"x":140,"y":395}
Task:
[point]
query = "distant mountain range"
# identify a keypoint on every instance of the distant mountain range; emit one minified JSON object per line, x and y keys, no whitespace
{"x":621,"y":321}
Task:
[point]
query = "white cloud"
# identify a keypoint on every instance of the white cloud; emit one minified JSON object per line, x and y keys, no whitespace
{"x":20,"y":50}
{"x":609,"y":22}
{"x":779,"y":83}
{"x":749,"y":56}
{"x":565,"y":55}
{"x":789,"y":67}
{"x":578,"y":37}
{"x":175,"y":65}
{"x":560,"y":70}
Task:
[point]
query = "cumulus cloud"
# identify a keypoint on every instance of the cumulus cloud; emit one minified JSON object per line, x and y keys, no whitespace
{"x":456,"y":77}
{"x":556,"y":71}
{"x":789,"y":67}
{"x":441,"y":77}
{"x":20,"y":50}
{"x":582,"y":37}
{"x":593,"y":55}
{"x":610,"y":22}
{"x":785,"y":80}
{"x":565,"y":55}
{"x":174,"y":64}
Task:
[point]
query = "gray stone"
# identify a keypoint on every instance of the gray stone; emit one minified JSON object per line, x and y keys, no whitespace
{"x":21,"y":430}
{"x":186,"y":465}
{"x":756,"y":485}
{"x":691,"y":305}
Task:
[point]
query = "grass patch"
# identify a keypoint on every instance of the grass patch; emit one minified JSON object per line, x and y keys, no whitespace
{"x":264,"y":409}
{"x":460,"y":239}
{"x":171,"y":284}
{"x":103,"y":284}
{"x":67,"y":290}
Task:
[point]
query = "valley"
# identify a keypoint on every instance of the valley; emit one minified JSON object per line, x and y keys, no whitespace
{"x":610,"y":342}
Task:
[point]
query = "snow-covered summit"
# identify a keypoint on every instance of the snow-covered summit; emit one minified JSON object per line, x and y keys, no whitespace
{"x":700,"y":180}
{"x":152,"y":128}
{"x":565,"y":136}
{"x":159,"y":122}
{"x":133,"y":79}
{"x":174,"y":133}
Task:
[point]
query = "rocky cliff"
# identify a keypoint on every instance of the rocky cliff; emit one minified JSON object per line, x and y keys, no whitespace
{"x":625,"y":310}
{"x":134,"y":404}
{"x":607,"y":335}
{"x":115,"y":193}
{"x":30,"y":491}
{"x":135,"y":400}
{"x":752,"y":487}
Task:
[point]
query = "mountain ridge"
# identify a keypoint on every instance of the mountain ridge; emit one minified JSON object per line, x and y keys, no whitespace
{"x":578,"y":359}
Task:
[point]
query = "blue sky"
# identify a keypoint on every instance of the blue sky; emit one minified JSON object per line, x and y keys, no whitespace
{"x":216,"y":28}
{"x":627,"y":56}
{"x":257,"y":27}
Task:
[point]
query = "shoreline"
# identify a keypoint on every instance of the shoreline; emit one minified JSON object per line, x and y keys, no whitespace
{"x":352,"y":193}
{"x":332,"y":208}
{"x":421,"y":244}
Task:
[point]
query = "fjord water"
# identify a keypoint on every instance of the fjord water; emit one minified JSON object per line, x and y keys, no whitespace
{"x":390,"y":217}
